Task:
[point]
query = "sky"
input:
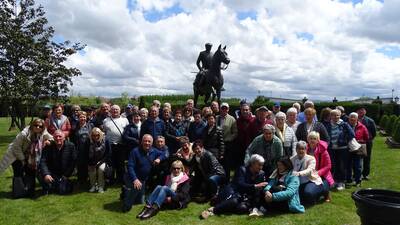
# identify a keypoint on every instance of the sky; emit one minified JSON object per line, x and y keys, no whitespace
{"x":293,"y":48}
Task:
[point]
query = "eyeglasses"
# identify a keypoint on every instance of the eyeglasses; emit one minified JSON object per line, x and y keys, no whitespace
{"x":176,"y":168}
{"x":38,"y":126}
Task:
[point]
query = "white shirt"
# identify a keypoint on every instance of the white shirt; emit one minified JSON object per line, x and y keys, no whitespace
{"x":112,"y":133}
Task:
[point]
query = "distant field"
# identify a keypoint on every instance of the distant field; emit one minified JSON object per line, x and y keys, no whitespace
{"x":86,"y":208}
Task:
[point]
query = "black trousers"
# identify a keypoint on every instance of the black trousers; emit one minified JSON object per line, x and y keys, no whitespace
{"x":118,"y":160}
{"x":28,"y":174}
{"x":367,"y":160}
{"x":229,"y":161}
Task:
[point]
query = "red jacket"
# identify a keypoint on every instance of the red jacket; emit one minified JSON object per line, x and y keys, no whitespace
{"x":256,"y":127}
{"x":244,"y":133}
{"x":361,"y":133}
{"x":323,"y":161}
{"x":52,"y":126}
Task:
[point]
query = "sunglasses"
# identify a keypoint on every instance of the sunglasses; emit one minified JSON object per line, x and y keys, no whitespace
{"x":38,"y":126}
{"x":176,"y":168}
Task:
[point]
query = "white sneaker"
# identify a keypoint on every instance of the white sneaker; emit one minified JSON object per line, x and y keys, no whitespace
{"x":256,"y":213}
{"x":92,"y":189}
{"x":340,"y":187}
{"x":101,"y":190}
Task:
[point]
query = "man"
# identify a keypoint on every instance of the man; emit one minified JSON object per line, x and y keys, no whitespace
{"x":268,"y":146}
{"x":209,"y":174}
{"x":128,"y":111}
{"x":205,"y":58}
{"x":57,"y":164}
{"x":103,"y":113}
{"x":370,"y":124}
{"x":195,"y":130}
{"x":256,"y":127}
{"x":114,"y":127}
{"x":140,"y":163}
{"x":45,"y":112}
{"x":153,"y":125}
{"x":229,"y":129}
{"x":275,"y":109}
{"x":244,"y":133}
{"x":215,"y":108}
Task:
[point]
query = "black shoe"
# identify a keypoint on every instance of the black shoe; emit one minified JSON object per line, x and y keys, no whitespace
{"x":150,"y":213}
{"x":365,"y":178}
{"x":145,"y":208}
{"x":126,"y":208}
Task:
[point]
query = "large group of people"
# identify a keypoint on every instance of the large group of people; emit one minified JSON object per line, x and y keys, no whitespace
{"x":165,"y":158}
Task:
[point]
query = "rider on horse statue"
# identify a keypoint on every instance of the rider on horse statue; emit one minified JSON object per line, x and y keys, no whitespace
{"x":205,"y":58}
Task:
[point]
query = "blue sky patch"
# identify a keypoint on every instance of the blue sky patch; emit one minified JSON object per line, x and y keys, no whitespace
{"x":358,"y":1}
{"x":305,"y":36}
{"x":242,"y":15}
{"x":390,"y":51}
{"x":278,"y":41}
{"x":154,"y":15}
{"x":58,"y":39}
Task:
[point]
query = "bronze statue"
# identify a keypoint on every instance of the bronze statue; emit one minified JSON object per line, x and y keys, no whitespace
{"x":209,"y":80}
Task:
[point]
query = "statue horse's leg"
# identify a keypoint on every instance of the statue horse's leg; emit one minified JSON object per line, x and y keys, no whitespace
{"x":196,"y":97}
{"x":218,"y":90}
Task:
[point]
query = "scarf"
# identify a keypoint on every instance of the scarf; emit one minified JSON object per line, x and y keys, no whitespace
{"x":173,"y":182}
{"x":281,"y":133}
{"x":34,"y":153}
{"x":281,"y":176}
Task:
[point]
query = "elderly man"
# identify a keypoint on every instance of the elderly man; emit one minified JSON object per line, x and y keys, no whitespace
{"x":57,"y":164}
{"x":114,"y":127}
{"x":215,"y":108}
{"x":256,"y":127}
{"x":153,"y":125}
{"x":268,"y":146}
{"x":230,"y":131}
{"x":140,"y":163}
{"x":244,"y":137}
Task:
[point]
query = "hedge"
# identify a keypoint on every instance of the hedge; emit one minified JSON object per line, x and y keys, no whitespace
{"x":391,"y":124}
{"x":396,"y":131}
{"x":383,"y":121}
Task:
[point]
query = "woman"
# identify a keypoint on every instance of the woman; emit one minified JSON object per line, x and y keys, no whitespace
{"x":354,"y":163}
{"x":82,"y":143}
{"x":311,"y":125}
{"x":131,"y":135}
{"x":291,"y":118}
{"x":282,"y":191}
{"x":213,"y":139}
{"x":187,"y":115}
{"x":58,"y":121}
{"x":286,"y":134}
{"x":326,"y":116}
{"x":206,"y":111}
{"x":244,"y":193}
{"x":24,"y":154}
{"x":144,"y":113}
{"x":174,"y":194}
{"x":195,"y":129}
{"x":340,"y":135}
{"x":319,"y":149}
{"x":185,"y":153}
{"x":98,"y":158}
{"x":304,"y":166}
{"x":175,"y":132}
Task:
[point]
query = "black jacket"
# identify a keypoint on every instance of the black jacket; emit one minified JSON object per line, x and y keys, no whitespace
{"x":301,"y":132}
{"x":214,"y":141}
{"x":99,"y":152}
{"x":181,"y":198}
{"x":370,"y":124}
{"x":131,"y":136}
{"x":209,"y":164}
{"x":244,"y":181}
{"x":58,"y":162}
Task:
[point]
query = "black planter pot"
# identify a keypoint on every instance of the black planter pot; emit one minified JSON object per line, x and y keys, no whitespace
{"x":377,"y":207}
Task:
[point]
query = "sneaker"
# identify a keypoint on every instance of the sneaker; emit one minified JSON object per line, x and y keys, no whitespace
{"x":358,"y":185}
{"x":350,"y":184}
{"x":207,"y":213}
{"x":262,"y":210}
{"x":101,"y":190}
{"x":340,"y":187}
{"x":256,"y":213}
{"x":92,"y":189}
{"x":365,"y":178}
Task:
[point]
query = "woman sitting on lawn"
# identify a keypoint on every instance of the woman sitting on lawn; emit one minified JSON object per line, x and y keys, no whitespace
{"x":174,"y":194}
{"x":311,"y":186}
{"x":282,"y":191}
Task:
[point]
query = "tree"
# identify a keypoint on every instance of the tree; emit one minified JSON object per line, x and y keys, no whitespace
{"x":31,"y":64}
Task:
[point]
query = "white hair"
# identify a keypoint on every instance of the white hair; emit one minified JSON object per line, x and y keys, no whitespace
{"x":301,"y":144}
{"x":308,"y":102}
{"x":336,"y":111}
{"x":256,"y":158}
{"x":291,"y":110}
{"x":280,"y":115}
{"x":354,"y":114}
{"x":115,"y":107}
{"x":313,"y":134}
{"x":144,"y":110}
{"x":269,"y":127}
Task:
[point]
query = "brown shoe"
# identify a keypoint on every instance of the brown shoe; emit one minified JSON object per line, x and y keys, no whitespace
{"x":328,"y":197}
{"x":207,"y":213}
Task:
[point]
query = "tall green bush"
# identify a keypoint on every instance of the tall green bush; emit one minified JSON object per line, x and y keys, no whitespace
{"x":396,"y":131}
{"x":383,"y":121}
{"x":390,"y":125}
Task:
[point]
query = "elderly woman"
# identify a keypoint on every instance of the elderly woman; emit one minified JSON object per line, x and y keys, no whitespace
{"x":196,"y":127}
{"x":57,"y":121}
{"x":304,"y":166}
{"x":354,"y":162}
{"x":319,"y":149}
{"x":282,"y":191}
{"x":143,"y":112}
{"x":131,"y":134}
{"x":340,"y":134}
{"x":268,"y":146}
{"x":206,"y":111}
{"x":286,"y":134}
{"x":98,"y":157}
{"x":175,"y":131}
{"x":311,"y":125}
{"x":326,"y":116}
{"x":82,"y":143}
{"x":291,"y":118}
{"x":174,"y":194}
{"x":185,"y":153}
{"x":24,"y":154}
{"x":213,"y":138}
{"x":244,"y":193}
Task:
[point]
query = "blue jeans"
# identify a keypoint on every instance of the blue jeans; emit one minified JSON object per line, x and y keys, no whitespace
{"x":310,"y":192}
{"x":159,"y":195}
{"x":354,"y":164}
{"x":131,"y":195}
{"x":214,"y":182}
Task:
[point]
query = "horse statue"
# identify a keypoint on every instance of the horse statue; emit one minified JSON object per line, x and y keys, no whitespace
{"x":211,"y":81}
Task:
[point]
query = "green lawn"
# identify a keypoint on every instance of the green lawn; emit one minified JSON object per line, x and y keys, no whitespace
{"x":87,"y":208}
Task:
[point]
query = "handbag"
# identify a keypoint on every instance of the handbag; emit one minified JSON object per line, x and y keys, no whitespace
{"x":108,"y":172}
{"x":354,"y":145}
{"x":362,"y":151}
{"x":18,"y":187}
{"x":64,"y":186}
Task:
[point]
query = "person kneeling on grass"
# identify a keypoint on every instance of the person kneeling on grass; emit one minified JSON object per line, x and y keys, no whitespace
{"x":244,"y":193}
{"x":173,"y":195}
{"x":282,"y":191}
{"x":99,"y":155}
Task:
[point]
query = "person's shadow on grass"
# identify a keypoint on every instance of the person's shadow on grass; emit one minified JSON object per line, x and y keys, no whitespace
{"x":115,"y":206}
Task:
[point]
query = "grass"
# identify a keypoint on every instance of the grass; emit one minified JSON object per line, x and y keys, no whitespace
{"x":86,"y":208}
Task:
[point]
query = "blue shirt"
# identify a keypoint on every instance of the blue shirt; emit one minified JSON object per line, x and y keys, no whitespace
{"x":140,"y":163}
{"x":302,"y":118}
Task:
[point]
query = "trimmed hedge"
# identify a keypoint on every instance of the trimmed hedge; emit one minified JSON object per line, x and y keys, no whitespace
{"x":396,"y":131}
{"x":383,"y":121}
{"x":391,"y":125}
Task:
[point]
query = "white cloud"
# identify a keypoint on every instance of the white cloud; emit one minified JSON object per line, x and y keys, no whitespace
{"x":128,"y":53}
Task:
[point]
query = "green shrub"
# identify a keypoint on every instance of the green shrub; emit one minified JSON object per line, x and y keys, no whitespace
{"x":390,"y":125}
{"x":396,"y":131}
{"x":383,"y":121}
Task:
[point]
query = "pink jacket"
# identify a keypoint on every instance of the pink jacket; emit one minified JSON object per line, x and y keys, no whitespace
{"x":323,"y":162}
{"x":361,"y":133}
{"x":182,"y":180}
{"x":52,"y":127}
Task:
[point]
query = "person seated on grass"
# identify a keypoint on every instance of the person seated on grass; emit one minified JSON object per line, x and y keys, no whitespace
{"x":243,"y":195}
{"x":209,"y":175}
{"x":282,"y":191}
{"x":24,"y":154}
{"x":311,"y":185}
{"x":140,"y":163}
{"x":57,"y":164}
{"x":173,"y":195}
{"x":160,"y":171}
{"x":99,"y":156}
{"x":319,"y":149}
